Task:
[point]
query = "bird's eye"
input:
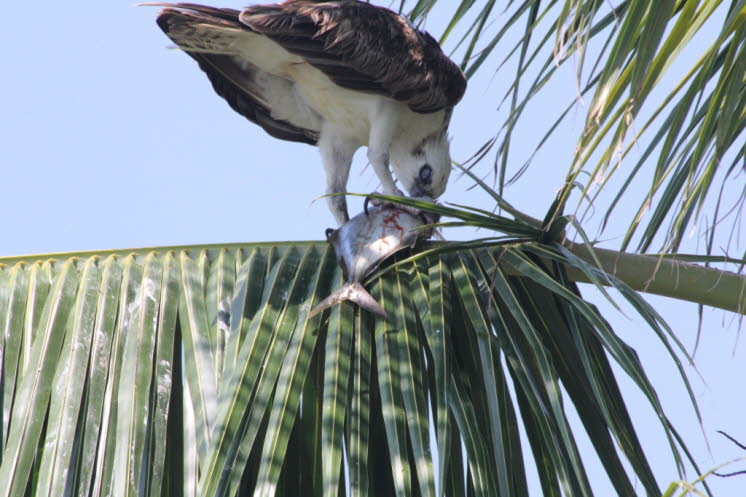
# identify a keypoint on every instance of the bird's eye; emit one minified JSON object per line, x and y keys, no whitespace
{"x":426,"y":173}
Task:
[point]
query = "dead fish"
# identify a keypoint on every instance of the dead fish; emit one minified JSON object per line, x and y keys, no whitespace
{"x":363,"y":243}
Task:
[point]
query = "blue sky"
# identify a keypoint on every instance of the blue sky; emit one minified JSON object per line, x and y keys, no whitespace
{"x":110,"y":140}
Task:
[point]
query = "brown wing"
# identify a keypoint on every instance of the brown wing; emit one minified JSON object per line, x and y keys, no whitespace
{"x":201,"y":32}
{"x":364,"y":47}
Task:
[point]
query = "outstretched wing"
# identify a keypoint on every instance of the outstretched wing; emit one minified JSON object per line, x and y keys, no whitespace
{"x":364,"y":48}
{"x":214,"y":38}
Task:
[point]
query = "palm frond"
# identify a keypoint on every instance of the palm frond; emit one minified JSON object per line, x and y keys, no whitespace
{"x":195,"y":371}
{"x":691,"y":133}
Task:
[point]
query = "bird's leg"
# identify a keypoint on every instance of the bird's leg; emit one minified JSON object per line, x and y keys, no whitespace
{"x":336,"y":154}
{"x":383,"y":125}
{"x":380,"y":162}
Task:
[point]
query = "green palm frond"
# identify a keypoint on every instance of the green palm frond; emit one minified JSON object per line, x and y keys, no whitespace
{"x":690,"y":131}
{"x":195,"y":371}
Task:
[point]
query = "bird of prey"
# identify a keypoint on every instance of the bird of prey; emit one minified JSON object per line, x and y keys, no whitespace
{"x":338,"y":74}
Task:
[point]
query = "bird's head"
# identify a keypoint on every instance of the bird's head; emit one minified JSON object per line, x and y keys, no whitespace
{"x":423,"y":167}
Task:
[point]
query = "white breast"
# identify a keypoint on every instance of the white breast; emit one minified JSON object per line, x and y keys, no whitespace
{"x":297,"y":92}
{"x":348,"y":110}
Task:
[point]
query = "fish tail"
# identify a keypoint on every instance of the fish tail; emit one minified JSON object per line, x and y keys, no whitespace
{"x":354,"y":292}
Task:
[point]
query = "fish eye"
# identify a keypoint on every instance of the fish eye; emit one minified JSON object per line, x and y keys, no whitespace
{"x":426,"y":173}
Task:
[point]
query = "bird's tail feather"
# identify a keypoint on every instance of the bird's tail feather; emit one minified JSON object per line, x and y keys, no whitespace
{"x":354,"y":292}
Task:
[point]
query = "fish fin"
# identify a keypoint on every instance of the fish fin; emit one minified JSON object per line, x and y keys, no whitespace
{"x":361,"y":297}
{"x":354,"y":292}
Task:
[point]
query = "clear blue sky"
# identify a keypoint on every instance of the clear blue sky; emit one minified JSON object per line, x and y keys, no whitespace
{"x":110,"y":140}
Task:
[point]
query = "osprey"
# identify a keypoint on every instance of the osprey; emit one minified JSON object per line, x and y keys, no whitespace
{"x":337,"y":74}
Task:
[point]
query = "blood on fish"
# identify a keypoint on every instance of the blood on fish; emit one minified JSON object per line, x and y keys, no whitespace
{"x":392,"y":220}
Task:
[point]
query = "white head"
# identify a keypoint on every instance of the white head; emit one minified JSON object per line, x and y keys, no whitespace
{"x":423,"y":167}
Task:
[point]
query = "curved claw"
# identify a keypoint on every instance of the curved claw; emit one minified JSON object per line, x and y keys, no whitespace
{"x":365,"y":205}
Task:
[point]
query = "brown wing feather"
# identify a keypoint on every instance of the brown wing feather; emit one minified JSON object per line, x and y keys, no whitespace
{"x":363,"y":47}
{"x":229,"y":80}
